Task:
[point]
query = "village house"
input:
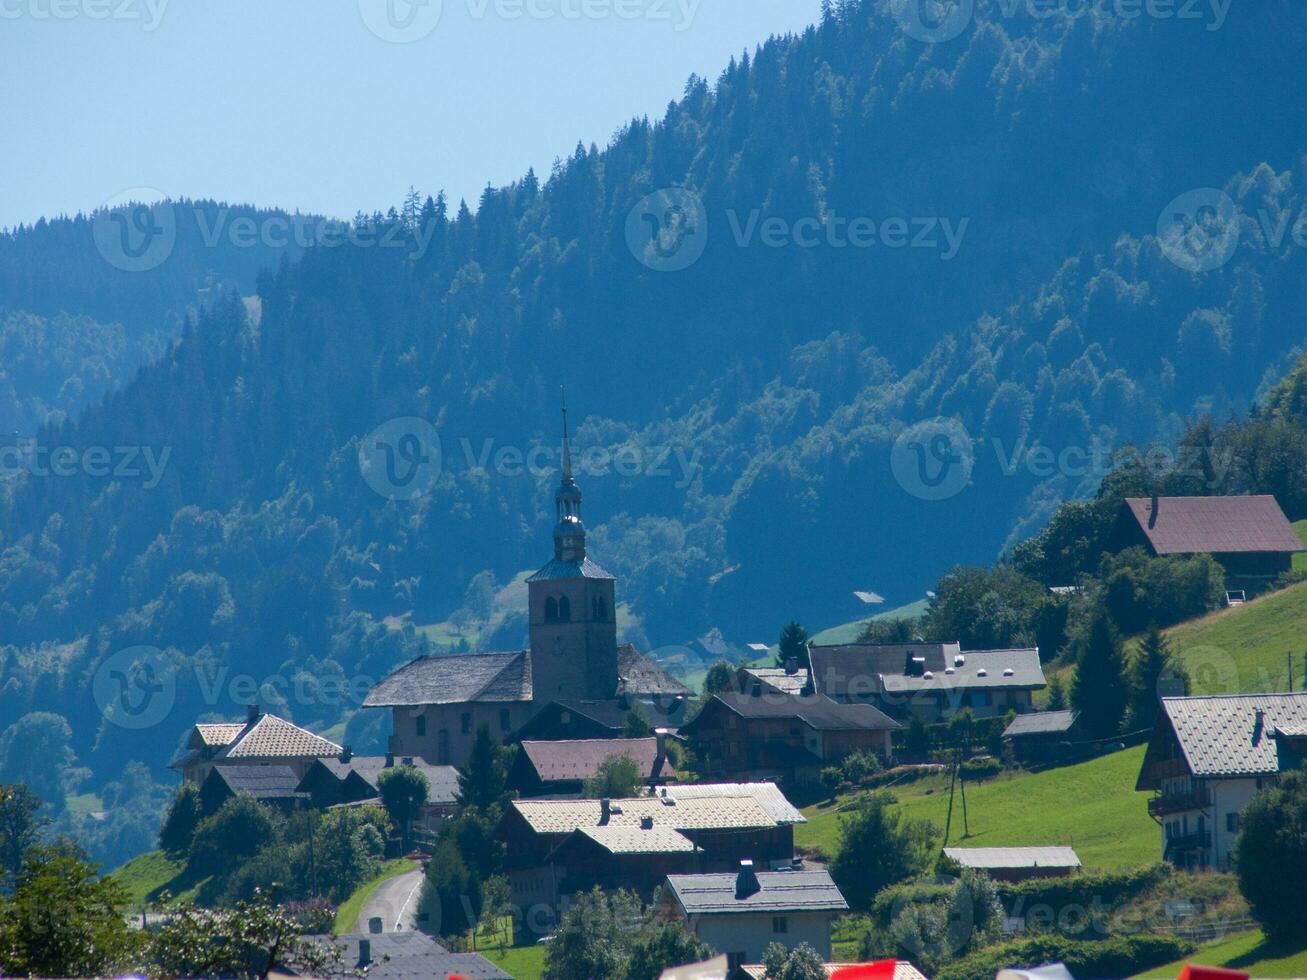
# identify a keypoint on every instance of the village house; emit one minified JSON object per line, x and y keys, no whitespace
{"x":783,"y":736}
{"x":350,"y":779}
{"x":561,"y":768}
{"x":635,"y":843}
{"x":1250,"y":536}
{"x":439,"y":703}
{"x":743,"y":912}
{"x":260,"y":740}
{"x":407,"y":955}
{"x":1015,"y":864}
{"x":1207,"y":758}
{"x":1042,"y":737}
{"x":271,"y":784}
{"x":930,"y":681}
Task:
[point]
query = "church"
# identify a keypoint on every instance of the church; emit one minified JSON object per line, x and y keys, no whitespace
{"x":573,"y":665}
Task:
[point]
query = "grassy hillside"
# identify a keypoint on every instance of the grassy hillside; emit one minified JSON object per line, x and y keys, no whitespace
{"x":1246,"y":951}
{"x":521,"y":963}
{"x":1091,"y":806}
{"x":146,"y":874}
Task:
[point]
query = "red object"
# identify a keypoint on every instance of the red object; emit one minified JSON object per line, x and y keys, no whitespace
{"x":880,"y":970}
{"x":1193,"y":971}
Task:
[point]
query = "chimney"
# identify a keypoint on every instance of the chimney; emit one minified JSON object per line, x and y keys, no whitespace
{"x":390,"y":760}
{"x":365,"y":952}
{"x":1259,"y":725}
{"x":346,"y":753}
{"x":1152,"y":513}
{"x":746,"y":882}
{"x":605,"y":811}
{"x":646,"y":823}
{"x":251,"y":713}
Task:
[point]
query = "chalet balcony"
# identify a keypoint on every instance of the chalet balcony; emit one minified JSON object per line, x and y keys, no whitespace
{"x":1196,"y":799}
{"x":1182,"y":843}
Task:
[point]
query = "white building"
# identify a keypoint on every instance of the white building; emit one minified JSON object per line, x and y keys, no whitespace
{"x":1207,"y":758}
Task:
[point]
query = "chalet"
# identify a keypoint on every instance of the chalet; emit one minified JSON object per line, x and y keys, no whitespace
{"x":439,"y":703}
{"x":772,"y":680}
{"x":561,"y":768}
{"x":1249,"y":536}
{"x":784,"y":736}
{"x":1042,"y":736}
{"x":1207,"y":757}
{"x":930,"y":681}
{"x":700,"y":828}
{"x":405,"y":956}
{"x":349,"y":779}
{"x":260,"y":740}
{"x":742,"y":913}
{"x":275,"y":785}
{"x":1017,"y":863}
{"x":571,"y":720}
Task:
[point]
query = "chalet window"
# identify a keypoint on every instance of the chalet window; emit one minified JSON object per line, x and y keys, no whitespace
{"x":779,"y":924}
{"x":466,"y":722}
{"x":421,"y":726}
{"x":1232,"y":822}
{"x":980,"y":699}
{"x":504,"y":723}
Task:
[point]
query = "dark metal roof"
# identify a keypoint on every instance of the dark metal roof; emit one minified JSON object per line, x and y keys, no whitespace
{"x":560,"y":569}
{"x":1221,"y":736}
{"x":500,"y":677}
{"x":779,"y":891}
{"x":572,"y":761}
{"x":260,"y":782}
{"x":857,"y":670}
{"x":442,"y":781}
{"x":1214,"y":525}
{"x":410,"y":955}
{"x":817,"y":712}
{"x":1040,"y":723}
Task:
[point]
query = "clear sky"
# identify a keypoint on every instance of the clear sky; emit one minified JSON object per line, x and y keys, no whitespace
{"x":333,"y":106}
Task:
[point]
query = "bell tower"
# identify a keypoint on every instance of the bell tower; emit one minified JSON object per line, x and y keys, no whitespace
{"x":573,"y":619}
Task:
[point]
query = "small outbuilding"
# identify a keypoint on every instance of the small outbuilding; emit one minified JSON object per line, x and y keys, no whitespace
{"x":1017,"y":863}
{"x":1042,"y":736}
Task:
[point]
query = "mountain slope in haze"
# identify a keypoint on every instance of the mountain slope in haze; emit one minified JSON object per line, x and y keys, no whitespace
{"x":760,"y":391}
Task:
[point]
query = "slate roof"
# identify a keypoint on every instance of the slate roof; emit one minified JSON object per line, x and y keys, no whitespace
{"x":817,"y":712}
{"x":903,"y":970}
{"x":637,"y":674}
{"x":270,"y":737}
{"x":560,"y":569}
{"x":859,"y":670}
{"x":1040,"y":723}
{"x":409,"y":955}
{"x":572,"y":761}
{"x":634,"y":840}
{"x":497,"y":677}
{"x":1219,"y":735}
{"x":778,"y":678}
{"x":779,"y":891}
{"x":709,"y":813}
{"x":1214,"y":525}
{"x":768,"y":795}
{"x":442,"y":781}
{"x":259,"y":782}
{"x":998,"y":858}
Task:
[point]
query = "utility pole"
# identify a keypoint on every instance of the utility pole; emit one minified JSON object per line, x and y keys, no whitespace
{"x":962,"y":784}
{"x":948,"y":821}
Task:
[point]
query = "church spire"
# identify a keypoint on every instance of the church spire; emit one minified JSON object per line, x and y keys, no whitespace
{"x":569,"y":532}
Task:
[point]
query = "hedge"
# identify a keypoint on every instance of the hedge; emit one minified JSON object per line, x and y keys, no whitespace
{"x":1120,"y":957}
{"x":1108,"y":888}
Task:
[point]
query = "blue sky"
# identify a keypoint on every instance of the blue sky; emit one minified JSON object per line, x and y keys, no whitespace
{"x":336,"y":105}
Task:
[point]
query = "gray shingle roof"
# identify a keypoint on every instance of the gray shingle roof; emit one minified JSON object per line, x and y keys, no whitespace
{"x":819,"y":713}
{"x":779,"y":891}
{"x":500,"y":677}
{"x":1214,"y":525}
{"x":997,"y":858}
{"x":638,"y":675}
{"x":560,"y":569}
{"x":1040,"y":723}
{"x":1219,"y":736}
{"x":778,"y":679}
{"x":410,"y":955}
{"x":259,"y":782}
{"x":442,"y":781}
{"x":858,"y":670}
{"x":571,"y":761}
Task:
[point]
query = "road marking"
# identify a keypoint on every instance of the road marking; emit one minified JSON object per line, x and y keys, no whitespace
{"x":399,"y":919}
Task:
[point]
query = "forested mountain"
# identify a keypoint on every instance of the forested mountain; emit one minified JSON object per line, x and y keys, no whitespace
{"x":1049,"y":316}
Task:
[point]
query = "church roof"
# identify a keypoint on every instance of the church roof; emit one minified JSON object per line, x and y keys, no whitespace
{"x":498,"y":677}
{"x":559,"y":568}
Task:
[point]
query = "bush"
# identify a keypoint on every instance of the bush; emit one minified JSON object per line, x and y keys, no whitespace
{"x":801,"y":963}
{"x":617,"y":777}
{"x":451,"y":895}
{"x":1140,"y":590}
{"x":1121,"y":957}
{"x":857,"y":766}
{"x":180,"y":822}
{"x":934,"y":923}
{"x":664,"y":946}
{"x":596,"y":936}
{"x":239,"y":830}
{"x":878,"y":848}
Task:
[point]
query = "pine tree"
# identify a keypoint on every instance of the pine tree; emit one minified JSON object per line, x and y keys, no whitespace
{"x":1099,"y":691}
{"x":481,"y":783}
{"x":1153,"y":674}
{"x":1056,"y":695}
{"x":793,"y":646}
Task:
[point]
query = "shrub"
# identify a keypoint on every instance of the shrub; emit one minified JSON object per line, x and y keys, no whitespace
{"x":664,"y":946}
{"x":1120,"y":957}
{"x":618,"y":776}
{"x":238,"y":830}
{"x":878,"y":848}
{"x":180,"y":822}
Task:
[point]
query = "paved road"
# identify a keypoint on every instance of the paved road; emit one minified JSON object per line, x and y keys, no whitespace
{"x":396,"y":902}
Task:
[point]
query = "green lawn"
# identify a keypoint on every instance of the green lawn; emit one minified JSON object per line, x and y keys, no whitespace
{"x":347,"y":914}
{"x":1247,"y":951}
{"x":1091,"y":806}
{"x":522,"y":962}
{"x":146,"y":874}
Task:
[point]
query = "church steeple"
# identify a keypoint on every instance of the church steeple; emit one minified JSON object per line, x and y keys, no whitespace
{"x":569,"y":531}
